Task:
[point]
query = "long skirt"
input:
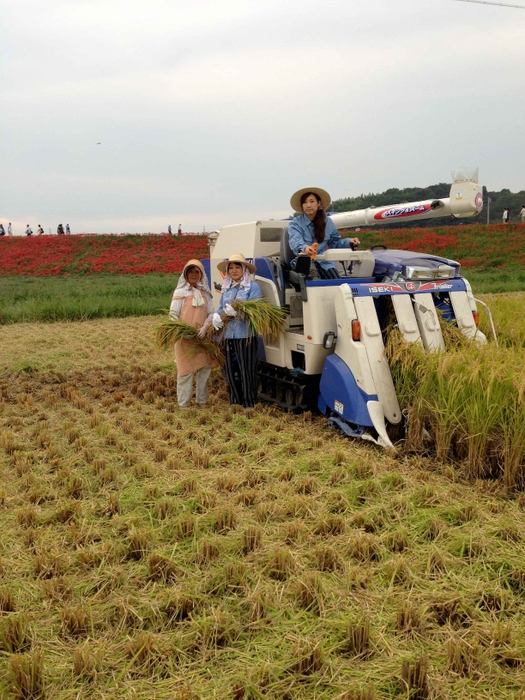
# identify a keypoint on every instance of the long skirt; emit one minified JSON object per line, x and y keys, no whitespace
{"x":240,"y":370}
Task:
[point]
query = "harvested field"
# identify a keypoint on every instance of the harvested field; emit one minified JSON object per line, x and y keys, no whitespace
{"x":229,"y":553}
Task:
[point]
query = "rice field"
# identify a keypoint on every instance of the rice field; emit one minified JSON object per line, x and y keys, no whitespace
{"x":230,"y":553}
{"x":79,"y":298}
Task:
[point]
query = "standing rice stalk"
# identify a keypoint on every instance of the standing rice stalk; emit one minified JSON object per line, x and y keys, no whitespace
{"x":469,"y":401}
{"x":513,"y":434}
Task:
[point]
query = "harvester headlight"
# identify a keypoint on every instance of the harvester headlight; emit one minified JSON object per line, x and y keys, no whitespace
{"x":443,"y":272}
{"x":418,"y":273}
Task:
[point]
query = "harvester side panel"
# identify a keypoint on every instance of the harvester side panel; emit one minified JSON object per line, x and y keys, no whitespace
{"x":406,"y":318}
{"x":318,"y":311}
{"x":268,"y":290}
{"x":352,"y":352}
{"x":339,"y":391}
{"x":463,"y":313}
{"x":470,"y":295}
{"x":275,"y":349}
{"x":428,"y":322}
{"x":314,"y":353}
{"x":372,"y":339}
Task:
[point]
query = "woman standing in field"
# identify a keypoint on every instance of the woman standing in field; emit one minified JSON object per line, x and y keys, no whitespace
{"x":240,"y":343}
{"x":192,"y":303}
{"x":313,"y":226}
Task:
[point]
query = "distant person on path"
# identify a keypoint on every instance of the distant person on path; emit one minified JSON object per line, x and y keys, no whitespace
{"x":2,"y":230}
{"x":506,"y":216}
{"x":179,"y":230}
{"x":60,"y":230}
{"x":522,"y":214}
{"x":9,"y":229}
{"x":29,"y":232}
{"x":192,"y":303}
{"x":169,"y":229}
{"x":40,"y":231}
{"x":68,"y":230}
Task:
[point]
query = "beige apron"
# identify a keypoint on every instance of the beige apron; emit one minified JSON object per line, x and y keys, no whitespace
{"x":187,"y":359}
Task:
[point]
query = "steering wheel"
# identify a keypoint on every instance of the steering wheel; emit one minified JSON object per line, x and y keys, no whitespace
{"x":379,"y":246}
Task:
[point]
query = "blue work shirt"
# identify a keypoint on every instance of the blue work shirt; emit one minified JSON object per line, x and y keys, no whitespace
{"x":301,"y":234}
{"x":236,"y":328}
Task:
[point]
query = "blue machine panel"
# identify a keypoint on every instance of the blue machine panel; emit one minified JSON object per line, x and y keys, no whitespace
{"x":207,"y":269}
{"x":339,"y":282}
{"x":374,"y":289}
{"x":340,"y":393}
{"x":389,"y":261}
{"x":370,"y":287}
{"x":262,"y":268}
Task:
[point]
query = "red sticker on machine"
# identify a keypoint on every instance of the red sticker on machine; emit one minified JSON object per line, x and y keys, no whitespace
{"x":402,"y":212}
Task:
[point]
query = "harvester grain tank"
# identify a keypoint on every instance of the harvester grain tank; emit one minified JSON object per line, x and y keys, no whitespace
{"x":332,"y":353}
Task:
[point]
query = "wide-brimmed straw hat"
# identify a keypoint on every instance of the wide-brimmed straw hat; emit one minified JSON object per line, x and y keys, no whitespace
{"x":323,"y":195}
{"x":193,"y":263}
{"x":236,"y":258}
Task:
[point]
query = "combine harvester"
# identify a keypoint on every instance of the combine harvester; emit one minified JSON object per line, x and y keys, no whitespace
{"x":332,"y":355}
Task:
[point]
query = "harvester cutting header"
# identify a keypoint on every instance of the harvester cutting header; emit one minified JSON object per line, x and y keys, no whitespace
{"x":331,"y":355}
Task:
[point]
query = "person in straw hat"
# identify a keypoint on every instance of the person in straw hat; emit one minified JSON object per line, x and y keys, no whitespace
{"x":240,"y":345}
{"x":192,"y":303}
{"x":313,"y":226}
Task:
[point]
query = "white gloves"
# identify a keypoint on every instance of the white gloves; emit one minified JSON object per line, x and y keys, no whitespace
{"x":229,"y":310}
{"x":217,"y":321}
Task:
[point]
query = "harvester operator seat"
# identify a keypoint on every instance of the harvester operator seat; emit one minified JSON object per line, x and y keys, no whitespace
{"x":290,"y":276}
{"x":286,"y":253}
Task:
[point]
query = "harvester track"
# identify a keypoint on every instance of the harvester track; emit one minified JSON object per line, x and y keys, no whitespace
{"x":289,"y":389}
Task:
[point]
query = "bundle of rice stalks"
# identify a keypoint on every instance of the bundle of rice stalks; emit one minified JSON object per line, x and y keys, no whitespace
{"x":171,"y":331}
{"x":263,"y":318}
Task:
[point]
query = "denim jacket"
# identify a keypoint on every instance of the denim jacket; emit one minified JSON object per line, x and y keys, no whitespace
{"x":236,"y":328}
{"x":301,"y":234}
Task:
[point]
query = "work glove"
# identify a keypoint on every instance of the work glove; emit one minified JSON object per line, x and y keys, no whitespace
{"x":217,"y":321}
{"x":229,"y":310}
{"x":204,"y":329}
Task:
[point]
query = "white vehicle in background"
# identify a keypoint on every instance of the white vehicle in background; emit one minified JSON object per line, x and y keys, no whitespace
{"x":331,"y":355}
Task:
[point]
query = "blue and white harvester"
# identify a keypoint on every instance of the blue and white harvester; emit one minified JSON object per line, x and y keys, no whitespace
{"x":331,"y":355}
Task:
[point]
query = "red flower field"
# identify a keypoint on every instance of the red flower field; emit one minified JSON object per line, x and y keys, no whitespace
{"x":473,"y":245}
{"x":91,"y":254}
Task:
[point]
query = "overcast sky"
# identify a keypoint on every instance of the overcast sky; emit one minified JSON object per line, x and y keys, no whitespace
{"x":211,"y":112}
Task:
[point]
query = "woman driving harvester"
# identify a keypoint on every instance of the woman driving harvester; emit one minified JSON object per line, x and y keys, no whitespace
{"x":313,"y":226}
